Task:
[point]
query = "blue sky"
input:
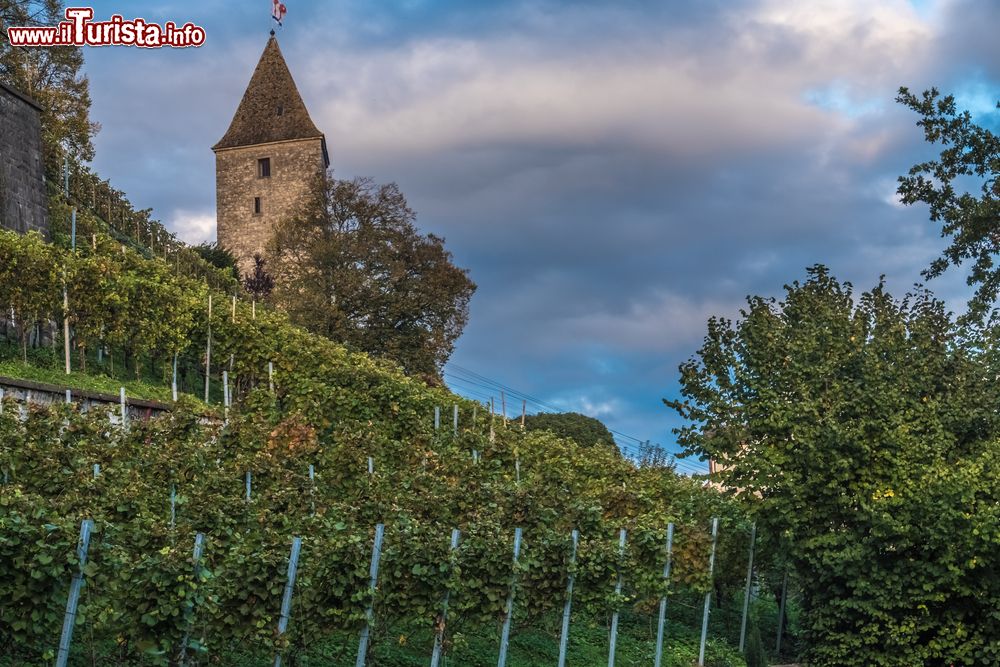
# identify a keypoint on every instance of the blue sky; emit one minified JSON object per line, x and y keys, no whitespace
{"x":612,"y":173}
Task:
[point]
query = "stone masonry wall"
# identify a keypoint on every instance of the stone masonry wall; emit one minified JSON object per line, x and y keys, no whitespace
{"x":23,"y":204}
{"x":294,"y":167}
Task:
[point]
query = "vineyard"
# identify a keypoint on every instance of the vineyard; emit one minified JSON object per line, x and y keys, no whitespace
{"x":314,"y":443}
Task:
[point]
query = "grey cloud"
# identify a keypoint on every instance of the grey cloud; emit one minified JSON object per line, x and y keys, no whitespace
{"x":611,"y":173}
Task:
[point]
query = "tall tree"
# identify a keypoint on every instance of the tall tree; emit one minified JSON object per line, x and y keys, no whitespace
{"x":52,"y":76}
{"x":864,"y":432}
{"x":969,"y":161}
{"x":353,"y":267}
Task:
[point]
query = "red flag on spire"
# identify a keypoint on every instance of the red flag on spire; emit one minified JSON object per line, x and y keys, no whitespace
{"x":278,"y":10}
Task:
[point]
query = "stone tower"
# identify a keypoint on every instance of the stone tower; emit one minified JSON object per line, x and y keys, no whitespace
{"x":267,"y":161}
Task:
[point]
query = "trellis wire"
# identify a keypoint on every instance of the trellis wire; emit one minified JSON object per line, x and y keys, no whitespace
{"x":661,"y":621}
{"x":618,"y":592}
{"x":439,"y":636}
{"x":286,"y":599}
{"x":76,"y":583}
{"x":225,"y":395}
{"x":564,"y":635}
{"x":708,"y":594}
{"x":66,"y":323}
{"x":173,"y":506}
{"x":208,"y":349}
{"x":370,"y":611}
{"x":746,"y":590}
{"x":121,"y":396}
{"x":199,"y":543}
{"x":509,"y":608}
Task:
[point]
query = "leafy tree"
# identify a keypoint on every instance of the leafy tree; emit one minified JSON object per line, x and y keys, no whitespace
{"x":970,"y":156}
{"x":586,"y":431}
{"x":352,"y":267}
{"x":50,"y":76}
{"x":863,"y":431}
{"x":218,"y":257}
{"x":259,"y":283}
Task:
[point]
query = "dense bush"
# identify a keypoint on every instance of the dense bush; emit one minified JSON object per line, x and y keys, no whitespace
{"x":330,"y":409}
{"x":864,"y":432}
{"x":143,"y":590}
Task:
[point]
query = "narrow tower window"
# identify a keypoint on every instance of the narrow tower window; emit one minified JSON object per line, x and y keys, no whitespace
{"x":256,"y":205}
{"x":264,"y":167}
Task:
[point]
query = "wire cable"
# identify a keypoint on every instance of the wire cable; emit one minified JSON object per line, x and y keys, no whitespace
{"x":629,"y":444}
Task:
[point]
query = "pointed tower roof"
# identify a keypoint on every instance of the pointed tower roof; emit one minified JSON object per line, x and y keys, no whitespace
{"x":271,"y":109}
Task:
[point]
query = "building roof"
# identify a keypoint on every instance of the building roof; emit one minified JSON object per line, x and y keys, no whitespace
{"x":271,"y":109}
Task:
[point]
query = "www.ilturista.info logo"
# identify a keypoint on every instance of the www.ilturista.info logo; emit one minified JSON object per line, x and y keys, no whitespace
{"x":80,"y":30}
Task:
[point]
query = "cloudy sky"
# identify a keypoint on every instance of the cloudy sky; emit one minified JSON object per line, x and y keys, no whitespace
{"x":611,"y":172}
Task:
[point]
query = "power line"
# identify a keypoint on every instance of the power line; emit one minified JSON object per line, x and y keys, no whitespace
{"x":485,"y":382}
{"x":490,"y":384}
{"x":471,"y":378}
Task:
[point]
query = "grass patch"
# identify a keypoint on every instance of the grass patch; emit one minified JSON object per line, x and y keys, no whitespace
{"x":76,"y":380}
{"x":532,"y":646}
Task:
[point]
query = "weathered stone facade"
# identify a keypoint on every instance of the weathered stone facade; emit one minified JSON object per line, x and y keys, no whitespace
{"x":23,"y":205}
{"x":273,"y":125}
{"x":294,"y":166}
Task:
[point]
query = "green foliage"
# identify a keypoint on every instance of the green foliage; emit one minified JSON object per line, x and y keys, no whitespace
{"x":22,"y":371}
{"x":970,"y":155}
{"x":354,"y":268}
{"x":755,"y":655}
{"x":142,"y":587}
{"x":106,"y":217}
{"x":218,"y":257}
{"x":28,"y":274}
{"x":863,"y":431}
{"x":584,"y":430}
{"x":331,"y":409}
{"x":53,"y":77}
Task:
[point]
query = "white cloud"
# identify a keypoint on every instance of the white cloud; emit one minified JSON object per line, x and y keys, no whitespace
{"x":588,"y":405}
{"x":192,"y":226}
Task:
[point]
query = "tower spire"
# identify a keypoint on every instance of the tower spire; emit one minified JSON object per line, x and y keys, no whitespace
{"x":272,"y":108}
